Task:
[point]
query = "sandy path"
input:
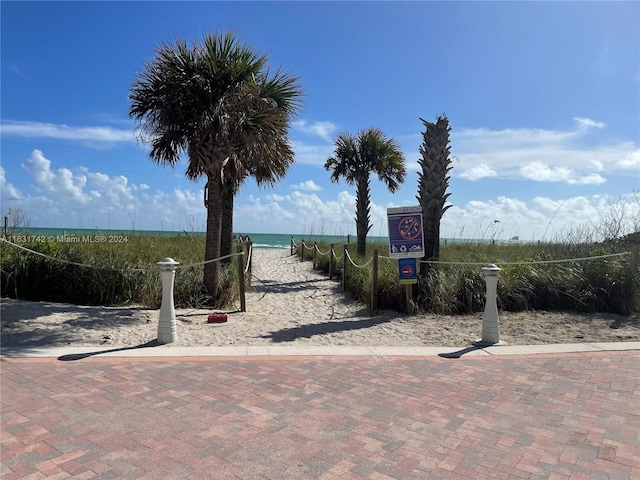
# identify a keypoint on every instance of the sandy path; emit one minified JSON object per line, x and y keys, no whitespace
{"x":292,"y":304}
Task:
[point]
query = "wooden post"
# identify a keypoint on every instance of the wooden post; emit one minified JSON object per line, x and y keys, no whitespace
{"x":374,"y":283}
{"x":344,"y":268}
{"x":250,"y":253}
{"x":331,"y":262}
{"x":302,"y":251}
{"x":6,"y":221}
{"x":409,"y":297}
{"x":291,"y":252}
{"x":313,"y":255}
{"x":243,"y":303}
{"x":635,"y":253}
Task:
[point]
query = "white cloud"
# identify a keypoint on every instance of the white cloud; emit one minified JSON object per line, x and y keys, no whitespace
{"x":592,"y":179}
{"x":478,"y":172}
{"x":87,"y":199}
{"x":541,"y":155}
{"x":308,"y":186}
{"x":323,"y":130}
{"x":62,"y":182}
{"x":65,"y":132}
{"x":587,"y":123}
{"x":631,"y":161}
{"x":8,"y":190}
{"x":541,"y":172}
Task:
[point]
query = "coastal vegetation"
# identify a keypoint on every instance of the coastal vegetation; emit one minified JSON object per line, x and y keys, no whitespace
{"x":355,"y":158}
{"x":126,"y":273}
{"x":533,"y":276}
{"x":111,"y":273}
{"x":218,"y":103}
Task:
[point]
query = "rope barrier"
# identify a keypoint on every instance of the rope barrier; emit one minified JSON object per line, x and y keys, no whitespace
{"x":323,"y":254}
{"x":536,"y":262}
{"x":246,"y":268}
{"x":69,"y":262}
{"x":568,"y":260}
{"x":210,"y":261}
{"x":356,"y":265}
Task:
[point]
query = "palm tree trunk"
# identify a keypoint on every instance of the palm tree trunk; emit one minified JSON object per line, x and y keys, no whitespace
{"x":214,"y":227}
{"x":362,"y":214}
{"x":226,"y":238}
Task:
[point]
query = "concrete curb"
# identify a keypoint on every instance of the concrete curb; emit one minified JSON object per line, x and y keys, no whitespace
{"x":167,"y":351}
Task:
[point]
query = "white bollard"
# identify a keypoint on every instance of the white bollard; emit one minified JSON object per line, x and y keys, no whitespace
{"x":490,"y":325}
{"x":167,"y":322}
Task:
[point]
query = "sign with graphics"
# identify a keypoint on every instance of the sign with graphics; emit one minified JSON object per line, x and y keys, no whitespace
{"x":407,"y":271}
{"x":406,"y":237}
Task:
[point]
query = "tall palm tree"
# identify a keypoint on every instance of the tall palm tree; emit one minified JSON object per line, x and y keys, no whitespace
{"x":217,"y":103}
{"x":433,"y":182}
{"x":355,"y":158}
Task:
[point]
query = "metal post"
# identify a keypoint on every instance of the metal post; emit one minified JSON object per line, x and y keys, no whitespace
{"x":490,"y":325}
{"x":167,"y":321}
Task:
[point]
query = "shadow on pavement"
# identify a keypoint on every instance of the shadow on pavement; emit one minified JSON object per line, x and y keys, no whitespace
{"x":459,"y":353}
{"x":80,"y":356}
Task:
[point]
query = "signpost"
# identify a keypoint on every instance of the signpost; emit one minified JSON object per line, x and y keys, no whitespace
{"x":406,"y":237}
{"x":406,"y":243}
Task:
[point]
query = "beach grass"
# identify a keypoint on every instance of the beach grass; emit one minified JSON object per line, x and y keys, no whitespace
{"x":122,"y":271}
{"x":126,"y":273}
{"x":596,"y":285}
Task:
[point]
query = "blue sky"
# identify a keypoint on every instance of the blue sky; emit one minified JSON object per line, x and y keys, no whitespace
{"x":543,"y":100}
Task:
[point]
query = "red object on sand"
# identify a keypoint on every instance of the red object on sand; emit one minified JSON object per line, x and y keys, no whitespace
{"x":217,"y":318}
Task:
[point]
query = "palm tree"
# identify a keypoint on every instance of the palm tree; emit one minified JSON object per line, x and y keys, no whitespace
{"x":216,"y":102}
{"x":355,"y":158}
{"x":433,"y":182}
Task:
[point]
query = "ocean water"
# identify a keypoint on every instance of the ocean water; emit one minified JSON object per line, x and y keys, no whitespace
{"x":260,"y":240}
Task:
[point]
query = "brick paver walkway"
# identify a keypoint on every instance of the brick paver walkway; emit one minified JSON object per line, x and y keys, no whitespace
{"x":537,"y":416}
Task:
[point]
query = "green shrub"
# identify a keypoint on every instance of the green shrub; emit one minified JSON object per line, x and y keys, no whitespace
{"x":598,"y":285}
{"x":114,"y":277}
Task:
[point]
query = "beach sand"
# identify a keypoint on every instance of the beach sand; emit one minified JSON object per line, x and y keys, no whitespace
{"x":291,"y":304}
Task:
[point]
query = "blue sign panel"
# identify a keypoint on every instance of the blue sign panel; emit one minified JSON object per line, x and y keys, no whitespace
{"x":406,"y":237}
{"x":407,"y":270}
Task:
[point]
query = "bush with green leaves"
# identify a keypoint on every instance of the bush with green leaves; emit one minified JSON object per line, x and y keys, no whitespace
{"x":123,"y":273}
{"x":525,"y":282}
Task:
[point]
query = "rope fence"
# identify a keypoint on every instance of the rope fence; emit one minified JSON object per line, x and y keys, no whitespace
{"x":242,"y":269}
{"x":373,"y":264}
{"x":87,"y":265}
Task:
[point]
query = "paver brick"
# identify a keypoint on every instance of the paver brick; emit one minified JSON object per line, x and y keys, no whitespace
{"x":534,"y":416}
